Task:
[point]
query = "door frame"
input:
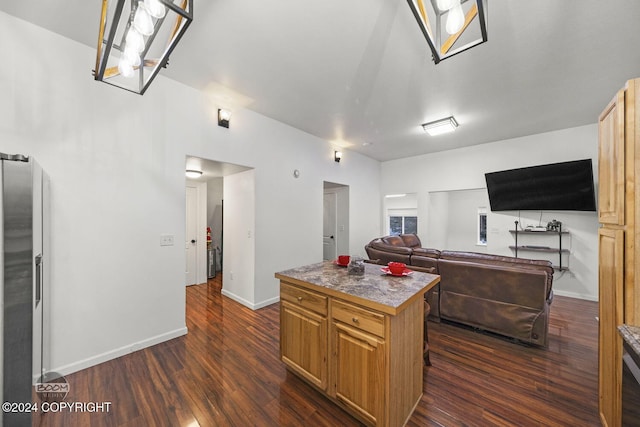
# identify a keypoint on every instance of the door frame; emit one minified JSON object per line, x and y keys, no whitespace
{"x":342,"y":215}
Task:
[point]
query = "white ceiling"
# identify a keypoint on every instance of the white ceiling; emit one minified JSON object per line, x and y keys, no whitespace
{"x":359,"y":72}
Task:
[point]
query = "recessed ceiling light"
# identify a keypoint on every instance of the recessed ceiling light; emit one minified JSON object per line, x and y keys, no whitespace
{"x":441,"y":126}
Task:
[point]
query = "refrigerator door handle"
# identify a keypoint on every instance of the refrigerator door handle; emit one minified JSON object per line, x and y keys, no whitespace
{"x":38,"y":279}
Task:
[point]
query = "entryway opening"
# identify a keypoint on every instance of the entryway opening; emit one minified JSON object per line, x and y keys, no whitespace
{"x":204,"y":220}
{"x":335,"y":229}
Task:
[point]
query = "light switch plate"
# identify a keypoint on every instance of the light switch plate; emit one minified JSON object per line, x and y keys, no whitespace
{"x":166,"y":240}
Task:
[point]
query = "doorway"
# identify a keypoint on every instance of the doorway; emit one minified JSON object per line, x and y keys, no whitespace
{"x":204,"y":196}
{"x":335,"y":219}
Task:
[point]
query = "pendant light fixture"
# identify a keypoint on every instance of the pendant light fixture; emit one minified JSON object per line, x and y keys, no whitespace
{"x":451,"y":26}
{"x":136,"y":38}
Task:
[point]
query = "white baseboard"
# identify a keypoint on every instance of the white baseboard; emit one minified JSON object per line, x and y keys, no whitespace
{"x":249,"y":304}
{"x":118,"y":352}
{"x":575,"y":295}
{"x":267,"y":302}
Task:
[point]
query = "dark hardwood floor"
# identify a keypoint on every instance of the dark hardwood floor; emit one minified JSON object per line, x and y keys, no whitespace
{"x":226,"y":372}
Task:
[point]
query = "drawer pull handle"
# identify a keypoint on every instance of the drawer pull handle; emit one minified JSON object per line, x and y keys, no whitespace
{"x":299,"y":299}
{"x":355,"y":320}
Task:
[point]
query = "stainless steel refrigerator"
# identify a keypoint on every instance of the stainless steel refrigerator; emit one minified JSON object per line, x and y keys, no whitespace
{"x":24,"y":261}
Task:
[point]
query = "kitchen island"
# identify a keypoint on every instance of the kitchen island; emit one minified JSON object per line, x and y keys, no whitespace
{"x":356,"y":338}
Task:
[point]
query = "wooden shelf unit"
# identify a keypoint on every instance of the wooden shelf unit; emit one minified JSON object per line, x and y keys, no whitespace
{"x":531,"y":248}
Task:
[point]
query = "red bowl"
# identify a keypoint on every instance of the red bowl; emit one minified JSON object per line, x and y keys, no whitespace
{"x":397,"y":267}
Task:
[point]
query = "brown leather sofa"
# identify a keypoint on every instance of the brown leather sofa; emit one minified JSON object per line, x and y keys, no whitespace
{"x":505,"y":295}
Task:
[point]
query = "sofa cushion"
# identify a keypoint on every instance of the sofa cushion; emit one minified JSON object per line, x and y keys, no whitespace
{"x":396,"y":245}
{"x":411,"y":240}
{"x":504,"y":261}
{"x":511,"y":301}
{"x":426,"y":252}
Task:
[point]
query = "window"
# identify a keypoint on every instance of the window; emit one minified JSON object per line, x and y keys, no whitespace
{"x":402,"y":222}
{"x":482,"y":226}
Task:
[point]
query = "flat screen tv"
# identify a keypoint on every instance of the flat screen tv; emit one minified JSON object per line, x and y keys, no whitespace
{"x":566,"y":186}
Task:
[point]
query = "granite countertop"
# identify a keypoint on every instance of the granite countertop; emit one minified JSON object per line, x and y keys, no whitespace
{"x":374,"y":286}
{"x":631,"y":335}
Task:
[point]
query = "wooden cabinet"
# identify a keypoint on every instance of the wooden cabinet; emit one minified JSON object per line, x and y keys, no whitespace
{"x":611,"y":250}
{"x":369,"y":362}
{"x":618,"y":213}
{"x":611,"y":171}
{"x":303,"y":333}
{"x":358,"y":341}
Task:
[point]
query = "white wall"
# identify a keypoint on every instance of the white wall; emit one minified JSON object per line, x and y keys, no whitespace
{"x":453,"y":219}
{"x":464,"y":168}
{"x":239,"y":218}
{"x":116,"y":162}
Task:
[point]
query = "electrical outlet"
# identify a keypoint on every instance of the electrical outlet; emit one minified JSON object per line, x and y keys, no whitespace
{"x":166,"y":240}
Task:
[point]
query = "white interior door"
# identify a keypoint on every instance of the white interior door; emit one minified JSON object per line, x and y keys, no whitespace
{"x":329,"y":227}
{"x":191,"y":235}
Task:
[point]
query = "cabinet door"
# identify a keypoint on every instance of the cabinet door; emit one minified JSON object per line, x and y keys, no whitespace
{"x":359,"y":371}
{"x":611,"y":274}
{"x":303,"y":343}
{"x":611,"y":173}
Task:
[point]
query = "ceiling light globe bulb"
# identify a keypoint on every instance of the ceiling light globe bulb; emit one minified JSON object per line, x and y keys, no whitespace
{"x":125,"y":68}
{"x":155,"y":8}
{"x":225,"y":114}
{"x":134,"y":40}
{"x":142,"y":22}
{"x":455,"y":19}
{"x":131,"y":56}
{"x":445,"y":5}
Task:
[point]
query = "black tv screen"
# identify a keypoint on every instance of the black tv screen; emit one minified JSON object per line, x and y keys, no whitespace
{"x":566,"y":186}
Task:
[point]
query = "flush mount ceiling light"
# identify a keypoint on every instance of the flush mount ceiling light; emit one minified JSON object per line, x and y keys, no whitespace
{"x":451,"y":26}
{"x":440,"y":126}
{"x":136,"y":38}
{"x":193,"y":173}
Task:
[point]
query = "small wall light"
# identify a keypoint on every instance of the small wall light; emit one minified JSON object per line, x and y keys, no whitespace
{"x":223,"y":118}
{"x":337,"y":155}
{"x":192,"y":173}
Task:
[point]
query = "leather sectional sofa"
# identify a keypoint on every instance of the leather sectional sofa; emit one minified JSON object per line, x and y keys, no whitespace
{"x":505,"y":295}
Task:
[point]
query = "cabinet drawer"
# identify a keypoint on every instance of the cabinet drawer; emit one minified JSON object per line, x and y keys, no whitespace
{"x":307,"y":299}
{"x":360,"y":318}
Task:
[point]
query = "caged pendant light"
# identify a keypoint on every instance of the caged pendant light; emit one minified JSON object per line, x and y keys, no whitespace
{"x":451,"y":26}
{"x":136,"y":38}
